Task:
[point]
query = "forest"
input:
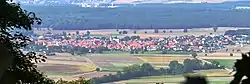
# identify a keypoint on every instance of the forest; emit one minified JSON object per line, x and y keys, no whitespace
{"x":141,"y":17}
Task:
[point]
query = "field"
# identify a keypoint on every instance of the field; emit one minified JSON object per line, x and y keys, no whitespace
{"x":228,"y":63}
{"x":222,"y":77}
{"x":70,"y":67}
{"x":150,"y":32}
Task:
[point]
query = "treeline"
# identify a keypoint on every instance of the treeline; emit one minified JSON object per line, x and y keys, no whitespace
{"x":147,"y":69}
{"x":137,"y":18}
{"x":238,"y":32}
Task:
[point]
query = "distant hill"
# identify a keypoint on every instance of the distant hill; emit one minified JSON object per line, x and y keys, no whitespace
{"x":51,"y":2}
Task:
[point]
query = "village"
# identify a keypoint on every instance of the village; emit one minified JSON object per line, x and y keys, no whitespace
{"x":62,"y":42}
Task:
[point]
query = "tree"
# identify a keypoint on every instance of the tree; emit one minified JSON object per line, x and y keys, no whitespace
{"x":78,"y":81}
{"x":156,"y":31}
{"x":64,"y":33}
{"x":164,"y":31}
{"x":187,"y":65}
{"x":185,"y":30}
{"x":194,"y":55}
{"x":134,"y":32}
{"x":120,"y":32}
{"x":88,"y":32}
{"x":215,"y":28}
{"x":231,"y":54}
{"x":124,"y":32}
{"x":15,"y":66}
{"x":77,"y":32}
{"x":98,"y":69}
{"x":176,"y":68}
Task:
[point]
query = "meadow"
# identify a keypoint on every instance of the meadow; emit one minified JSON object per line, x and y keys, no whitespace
{"x":223,"y":78}
{"x":228,"y":63}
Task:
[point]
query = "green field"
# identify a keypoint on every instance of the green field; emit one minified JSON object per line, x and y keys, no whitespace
{"x":228,"y":63}
{"x":173,"y":79}
{"x":116,"y":67}
{"x":115,"y":52}
{"x":147,"y":53}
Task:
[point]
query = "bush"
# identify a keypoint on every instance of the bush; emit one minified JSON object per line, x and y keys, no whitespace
{"x":185,"y":30}
{"x":120,"y":32}
{"x":156,"y":31}
{"x":194,"y":55}
{"x":231,"y":54}
{"x":134,"y":32}
{"x":97,"y":69}
{"x":124,"y":32}
{"x":164,"y":31}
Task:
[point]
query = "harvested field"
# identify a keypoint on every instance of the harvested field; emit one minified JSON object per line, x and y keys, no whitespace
{"x":163,"y":60}
{"x":101,"y":61}
{"x":59,"y":69}
{"x":93,"y":74}
{"x":87,"y":67}
{"x":150,"y":32}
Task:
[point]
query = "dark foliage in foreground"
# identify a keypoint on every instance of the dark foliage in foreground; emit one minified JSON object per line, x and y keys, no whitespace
{"x":242,"y":69}
{"x":195,"y":80}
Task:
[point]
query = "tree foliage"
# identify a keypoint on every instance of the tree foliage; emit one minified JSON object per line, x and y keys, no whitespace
{"x":205,"y":17}
{"x":194,"y":55}
{"x":242,"y":68}
{"x":18,"y":67}
{"x":215,"y":28}
{"x":21,"y":67}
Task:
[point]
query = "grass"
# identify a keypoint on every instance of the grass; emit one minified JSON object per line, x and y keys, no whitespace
{"x":214,"y":73}
{"x":228,"y":63}
{"x":175,"y":79}
{"x":96,"y":35}
{"x":169,"y":52}
{"x":163,"y":60}
{"x":115,"y":52}
{"x":116,"y":35}
{"x":115,"y":67}
{"x":57,"y":73}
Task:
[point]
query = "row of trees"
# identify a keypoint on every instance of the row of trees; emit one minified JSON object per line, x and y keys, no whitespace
{"x":147,"y":69}
{"x":238,"y":32}
{"x":164,"y":31}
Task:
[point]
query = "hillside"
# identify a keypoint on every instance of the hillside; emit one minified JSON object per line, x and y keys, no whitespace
{"x":51,"y":2}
